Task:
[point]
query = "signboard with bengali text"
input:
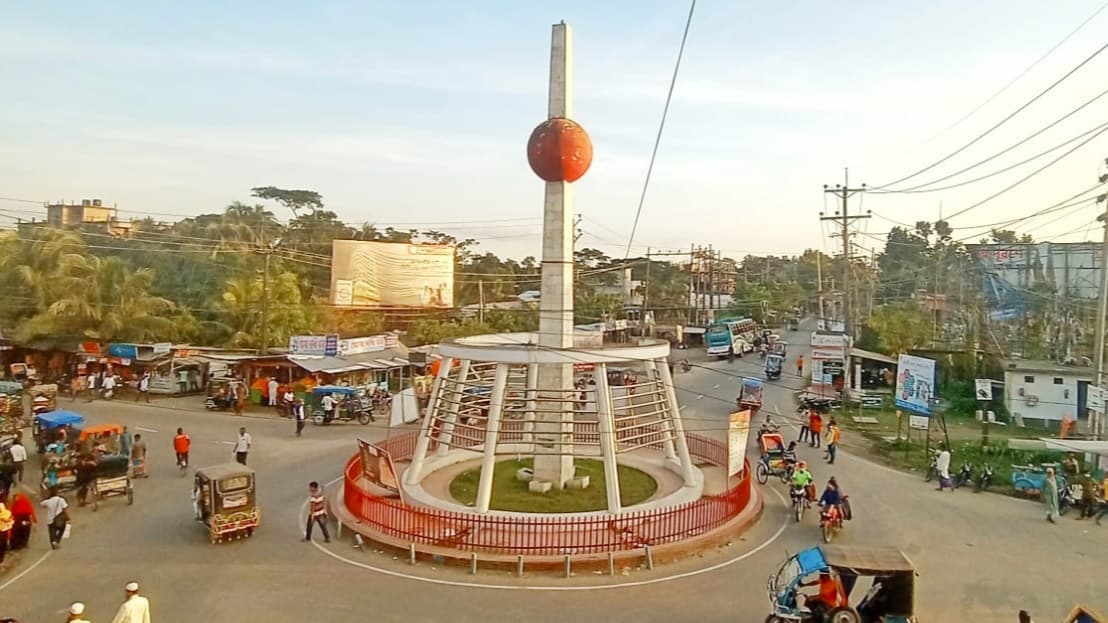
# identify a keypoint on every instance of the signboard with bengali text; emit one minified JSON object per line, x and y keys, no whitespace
{"x":738,"y":434}
{"x":373,"y":274}
{"x":915,"y":384}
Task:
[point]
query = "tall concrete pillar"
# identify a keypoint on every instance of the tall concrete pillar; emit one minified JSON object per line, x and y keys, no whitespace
{"x":553,"y":434}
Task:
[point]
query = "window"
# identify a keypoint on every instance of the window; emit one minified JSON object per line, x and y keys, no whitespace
{"x":1057,"y":380}
{"x":1028,"y":379}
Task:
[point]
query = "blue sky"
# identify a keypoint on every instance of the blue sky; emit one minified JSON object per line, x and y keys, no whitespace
{"x":416,"y":114}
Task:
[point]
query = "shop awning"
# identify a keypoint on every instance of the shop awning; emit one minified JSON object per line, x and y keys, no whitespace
{"x":872,"y":356}
{"x":330,"y":365}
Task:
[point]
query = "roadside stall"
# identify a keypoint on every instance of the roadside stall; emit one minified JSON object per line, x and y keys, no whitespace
{"x":44,"y":398}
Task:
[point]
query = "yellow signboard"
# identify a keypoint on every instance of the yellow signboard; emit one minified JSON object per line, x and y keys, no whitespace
{"x":375,"y":274}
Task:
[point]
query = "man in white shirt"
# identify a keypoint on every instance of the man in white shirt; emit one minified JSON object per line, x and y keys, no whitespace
{"x":91,"y":385}
{"x":243,"y":445}
{"x":135,"y":608}
{"x":328,"y":403}
{"x":109,"y":385}
{"x":273,"y":396}
{"x":56,"y":515}
{"x":19,"y":457}
{"x":942,"y":465}
{"x":144,"y":387}
{"x":76,"y":613}
{"x":286,"y":401}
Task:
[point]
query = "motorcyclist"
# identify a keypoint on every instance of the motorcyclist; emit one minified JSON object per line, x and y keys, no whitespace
{"x":802,"y":479}
{"x":832,"y":498}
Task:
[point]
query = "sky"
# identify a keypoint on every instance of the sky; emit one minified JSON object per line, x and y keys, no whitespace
{"x":416,"y":114}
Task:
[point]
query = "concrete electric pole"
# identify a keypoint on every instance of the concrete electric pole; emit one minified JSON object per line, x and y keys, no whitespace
{"x":844,"y":219}
{"x":1097,"y":424}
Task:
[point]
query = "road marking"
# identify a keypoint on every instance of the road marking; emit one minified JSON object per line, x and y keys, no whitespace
{"x":226,"y":443}
{"x":688,"y":574}
{"x":145,"y":430}
{"x":26,"y":571}
{"x":700,"y":396}
{"x":716,"y":386}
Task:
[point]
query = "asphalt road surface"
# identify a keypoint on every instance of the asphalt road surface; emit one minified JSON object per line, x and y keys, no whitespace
{"x":980,"y":557}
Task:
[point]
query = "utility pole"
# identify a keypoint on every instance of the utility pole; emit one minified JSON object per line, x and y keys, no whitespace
{"x":266,"y":251}
{"x":843,"y":218}
{"x":711,"y":283}
{"x":1097,"y":424}
{"x":481,"y":301}
{"x":819,"y":287}
{"x":646,"y":284}
{"x":693,"y":295}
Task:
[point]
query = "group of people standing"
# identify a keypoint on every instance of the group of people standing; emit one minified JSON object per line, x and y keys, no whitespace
{"x":812,"y":431}
{"x":1088,"y":505}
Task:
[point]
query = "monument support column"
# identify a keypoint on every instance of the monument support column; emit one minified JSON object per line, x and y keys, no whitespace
{"x":529,"y":406}
{"x":457,"y":394}
{"x":492,"y":436}
{"x":606,"y":425}
{"x":682,"y":444}
{"x":553,"y":432}
{"x":415,"y":471}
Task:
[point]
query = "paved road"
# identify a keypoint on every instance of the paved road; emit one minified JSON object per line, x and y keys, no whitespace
{"x":980,"y":557}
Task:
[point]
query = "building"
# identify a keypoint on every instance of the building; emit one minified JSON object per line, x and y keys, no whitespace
{"x":89,"y":215}
{"x":1045,"y":393}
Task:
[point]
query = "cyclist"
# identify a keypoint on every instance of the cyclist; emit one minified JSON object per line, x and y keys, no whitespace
{"x":181,"y":444}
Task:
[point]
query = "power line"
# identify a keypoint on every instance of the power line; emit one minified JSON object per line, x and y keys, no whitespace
{"x":661,"y":127}
{"x":1028,"y":69}
{"x":1026,"y":105}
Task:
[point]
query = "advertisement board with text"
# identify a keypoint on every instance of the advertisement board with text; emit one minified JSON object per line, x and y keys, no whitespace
{"x":915,"y":384}
{"x":738,"y":433}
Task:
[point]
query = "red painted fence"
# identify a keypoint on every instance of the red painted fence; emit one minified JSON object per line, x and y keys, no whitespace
{"x":544,"y":535}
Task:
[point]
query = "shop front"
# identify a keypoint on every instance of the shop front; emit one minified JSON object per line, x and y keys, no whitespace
{"x":828,"y":364}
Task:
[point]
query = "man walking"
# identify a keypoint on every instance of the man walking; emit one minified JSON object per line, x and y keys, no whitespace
{"x":1050,"y":495}
{"x":125,"y":442}
{"x":135,"y":608}
{"x":138,"y":457}
{"x":317,"y":512}
{"x":243,"y":445}
{"x":833,"y":434}
{"x":19,"y":458}
{"x":57,"y":515}
{"x":271,"y":392}
{"x":298,"y":415}
{"x":91,"y":384}
{"x":800,"y":365}
{"x":144,"y":388}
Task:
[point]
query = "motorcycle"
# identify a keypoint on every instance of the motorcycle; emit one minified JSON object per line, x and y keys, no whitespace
{"x":933,"y":469}
{"x":686,"y":366}
{"x":1066,"y":499}
{"x":831,"y":521}
{"x":984,"y":479}
{"x":964,"y":475}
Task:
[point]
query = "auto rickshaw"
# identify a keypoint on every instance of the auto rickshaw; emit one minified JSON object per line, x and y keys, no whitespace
{"x":220,"y":394}
{"x":780,"y":347}
{"x":45,"y":425}
{"x":349,"y":407}
{"x":751,"y":396}
{"x":224,"y":500}
{"x":102,"y":435}
{"x":774,"y":365}
{"x":885,"y":572}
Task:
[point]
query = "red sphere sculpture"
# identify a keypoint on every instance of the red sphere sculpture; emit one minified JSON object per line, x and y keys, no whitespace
{"x":559,"y":150}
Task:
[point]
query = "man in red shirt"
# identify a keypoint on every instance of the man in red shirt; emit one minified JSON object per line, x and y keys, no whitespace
{"x":181,"y":445}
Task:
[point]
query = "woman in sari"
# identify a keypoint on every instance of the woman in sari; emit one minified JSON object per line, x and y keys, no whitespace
{"x":23,"y":512}
{"x":1050,"y":495}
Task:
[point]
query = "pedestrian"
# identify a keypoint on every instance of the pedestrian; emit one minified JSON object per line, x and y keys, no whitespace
{"x":1050,"y":495}
{"x":271,"y":392}
{"x":57,"y":515}
{"x":138,"y":457}
{"x":317,"y":512}
{"x":815,"y":427}
{"x":243,"y":445}
{"x":1025,"y":617}
{"x":1088,"y":496}
{"x":942,"y":466}
{"x":7,"y":522}
{"x":144,"y":388}
{"x":91,"y":384}
{"x":328,"y":403}
{"x":287,"y":400}
{"x":800,"y":365}
{"x":135,"y":608}
{"x":24,"y":515}
{"x":125,"y":442}
{"x":804,"y":429}
{"x":238,"y":392}
{"x":19,"y":458}
{"x":109,"y":386}
{"x":76,"y":613}
{"x":298,"y":414}
{"x":833,"y":434}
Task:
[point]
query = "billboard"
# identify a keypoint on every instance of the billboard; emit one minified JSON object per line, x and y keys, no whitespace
{"x":915,"y":384}
{"x":1011,"y":272}
{"x":373,"y":274}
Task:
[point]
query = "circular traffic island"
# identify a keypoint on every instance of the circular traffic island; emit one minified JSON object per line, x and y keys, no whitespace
{"x":512,"y":494}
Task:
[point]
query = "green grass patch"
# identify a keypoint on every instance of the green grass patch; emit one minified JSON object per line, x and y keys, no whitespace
{"x":509,"y":494}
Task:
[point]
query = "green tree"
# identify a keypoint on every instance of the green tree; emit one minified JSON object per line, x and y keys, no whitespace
{"x":294,"y":200}
{"x":900,"y":327}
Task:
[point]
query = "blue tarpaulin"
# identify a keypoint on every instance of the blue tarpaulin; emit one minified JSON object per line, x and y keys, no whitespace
{"x":54,"y":419}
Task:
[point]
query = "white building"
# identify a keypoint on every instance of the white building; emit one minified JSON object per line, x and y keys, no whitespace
{"x":1044,"y":392}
